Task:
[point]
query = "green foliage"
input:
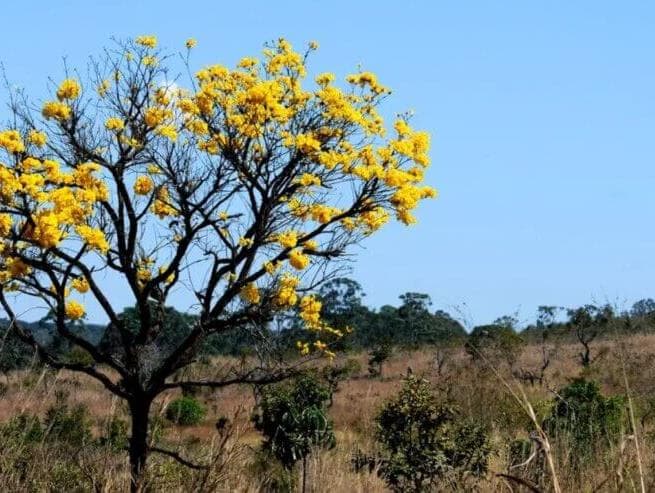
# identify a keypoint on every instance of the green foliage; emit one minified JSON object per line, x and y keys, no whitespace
{"x":495,"y":343}
{"x":22,"y":428}
{"x":585,"y":419}
{"x":14,"y":353}
{"x":588,"y":322}
{"x":380,"y":353}
{"x":334,"y":374}
{"x":292,"y":416}
{"x":115,"y":434}
{"x":185,"y":411}
{"x":79,"y":356}
{"x":424,"y":441}
{"x":71,"y":425}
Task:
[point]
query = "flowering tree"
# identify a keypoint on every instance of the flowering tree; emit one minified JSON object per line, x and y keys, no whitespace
{"x":242,"y":190}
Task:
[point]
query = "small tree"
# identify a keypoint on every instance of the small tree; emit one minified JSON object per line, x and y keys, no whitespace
{"x":545,"y":323}
{"x":586,"y":419}
{"x":495,"y":343}
{"x":293,"y":419}
{"x":377,"y":357}
{"x":222,"y":193}
{"x":588,"y":322}
{"x":425,"y":442}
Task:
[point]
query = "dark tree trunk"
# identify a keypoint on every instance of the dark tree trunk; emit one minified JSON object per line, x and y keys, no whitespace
{"x":138,"y":446}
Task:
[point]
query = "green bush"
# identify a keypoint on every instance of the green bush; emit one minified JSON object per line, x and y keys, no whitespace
{"x":585,"y":419}
{"x":425,"y":442}
{"x":23,"y":428}
{"x":292,"y":417}
{"x":115,"y":434}
{"x":185,"y":411}
{"x":71,"y":425}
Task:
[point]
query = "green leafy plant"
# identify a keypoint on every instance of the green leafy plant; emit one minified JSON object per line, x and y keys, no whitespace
{"x":585,"y":418}
{"x":293,"y":419}
{"x":380,"y":353}
{"x":185,"y":411}
{"x":71,"y":425}
{"x":424,"y":441}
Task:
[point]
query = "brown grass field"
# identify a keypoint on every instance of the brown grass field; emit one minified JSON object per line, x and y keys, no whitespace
{"x":475,"y":389}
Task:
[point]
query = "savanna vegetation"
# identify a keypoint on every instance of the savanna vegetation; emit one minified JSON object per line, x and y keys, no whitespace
{"x":243,"y":194}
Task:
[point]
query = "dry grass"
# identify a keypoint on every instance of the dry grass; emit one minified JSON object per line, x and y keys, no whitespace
{"x":472,"y":387}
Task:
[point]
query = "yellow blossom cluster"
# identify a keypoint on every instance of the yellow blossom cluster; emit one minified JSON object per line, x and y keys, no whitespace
{"x":11,"y":141}
{"x":80,"y":284}
{"x":286,"y":295}
{"x":288,"y":239}
{"x":148,"y":41}
{"x":143,"y":185}
{"x":162,"y":206}
{"x":250,"y":293}
{"x":68,"y":89}
{"x":44,"y":205}
{"x":74,"y":310}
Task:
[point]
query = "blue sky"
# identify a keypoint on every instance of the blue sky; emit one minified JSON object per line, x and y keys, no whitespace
{"x":542,"y":116}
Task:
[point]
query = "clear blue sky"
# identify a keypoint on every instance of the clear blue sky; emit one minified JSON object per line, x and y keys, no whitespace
{"x":542,"y":116}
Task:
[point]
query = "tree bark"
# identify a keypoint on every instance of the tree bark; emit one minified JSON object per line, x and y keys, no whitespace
{"x":138,"y":446}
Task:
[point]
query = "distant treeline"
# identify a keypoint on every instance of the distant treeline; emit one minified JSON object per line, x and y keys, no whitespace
{"x":411,"y":324}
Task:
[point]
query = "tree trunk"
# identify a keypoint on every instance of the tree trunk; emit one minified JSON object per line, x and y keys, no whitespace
{"x":138,"y":446}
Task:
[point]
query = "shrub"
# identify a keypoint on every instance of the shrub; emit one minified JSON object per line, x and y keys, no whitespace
{"x":495,"y":343}
{"x":115,"y":434}
{"x":69,"y":425}
{"x":378,"y":356}
{"x":585,"y":418}
{"x":185,"y":411}
{"x":425,"y":442}
{"x":22,"y":428}
{"x":292,"y":417}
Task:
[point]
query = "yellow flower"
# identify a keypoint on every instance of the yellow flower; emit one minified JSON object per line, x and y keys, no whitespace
{"x":93,"y":237}
{"x":191,"y":43}
{"x":308,"y":179}
{"x":298,"y":259}
{"x":167,"y":131}
{"x":161,"y":206}
{"x":56,"y":110}
{"x":103,"y":87}
{"x":16,"y":267}
{"x":11,"y":141}
{"x":37,"y":138}
{"x":74,"y":310}
{"x":114,"y":124}
{"x":5,"y":224}
{"x":148,"y":41}
{"x":143,"y":185}
{"x":288,"y":239}
{"x":250,"y":293}
{"x":310,"y":311}
{"x":68,"y":89}
{"x":80,"y":285}
{"x":286,"y":294}
{"x":246,"y":242}
{"x":149,"y":60}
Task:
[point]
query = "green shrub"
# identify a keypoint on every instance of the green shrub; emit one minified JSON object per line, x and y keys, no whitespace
{"x":425,"y":443}
{"x":71,"y":425}
{"x":380,"y":353}
{"x":185,"y":411}
{"x":292,"y":417}
{"x":585,"y":419}
{"x":23,"y":428}
{"x":115,"y":434}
